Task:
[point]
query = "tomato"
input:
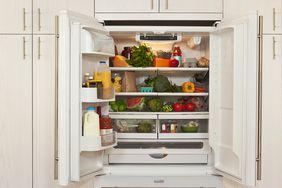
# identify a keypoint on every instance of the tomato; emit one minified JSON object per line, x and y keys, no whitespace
{"x":190,"y":107}
{"x":173,"y":63}
{"x":177,"y":107}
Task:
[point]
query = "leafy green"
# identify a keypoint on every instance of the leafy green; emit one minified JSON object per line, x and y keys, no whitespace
{"x":144,"y":127}
{"x":141,"y":56}
{"x":162,"y":84}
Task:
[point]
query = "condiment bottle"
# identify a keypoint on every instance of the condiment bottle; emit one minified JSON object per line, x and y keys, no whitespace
{"x":177,"y":54}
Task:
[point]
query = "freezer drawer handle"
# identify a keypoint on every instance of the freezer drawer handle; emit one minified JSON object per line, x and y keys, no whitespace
{"x":158,"y":155}
{"x":159,"y":181}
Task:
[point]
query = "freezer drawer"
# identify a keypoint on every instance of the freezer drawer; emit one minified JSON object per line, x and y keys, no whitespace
{"x":159,"y":158}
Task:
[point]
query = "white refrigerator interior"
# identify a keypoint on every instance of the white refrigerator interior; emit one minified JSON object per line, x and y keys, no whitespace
{"x":225,"y":144}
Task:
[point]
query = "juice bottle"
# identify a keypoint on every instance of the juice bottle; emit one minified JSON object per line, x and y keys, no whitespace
{"x":103,"y":73}
{"x":177,"y":54}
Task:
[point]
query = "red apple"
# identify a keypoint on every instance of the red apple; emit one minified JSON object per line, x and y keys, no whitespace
{"x":173,"y":63}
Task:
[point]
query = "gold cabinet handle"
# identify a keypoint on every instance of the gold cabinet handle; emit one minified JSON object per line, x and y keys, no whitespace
{"x":273,"y":19}
{"x":166,"y":4}
{"x":39,"y":19}
{"x":56,"y":158}
{"x":273,"y":48}
{"x":24,"y":13}
{"x":259,"y":100}
{"x":39,"y":48}
{"x":24,"y":52}
{"x":152,"y":4}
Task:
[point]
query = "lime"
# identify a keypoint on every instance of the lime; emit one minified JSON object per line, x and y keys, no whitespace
{"x":122,"y":107}
{"x":114,"y":107}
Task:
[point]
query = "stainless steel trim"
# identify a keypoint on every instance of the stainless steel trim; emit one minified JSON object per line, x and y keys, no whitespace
{"x":159,"y":181}
{"x":158,"y":155}
{"x":152,"y":4}
{"x":39,"y":19}
{"x":24,"y":26}
{"x":273,"y":19}
{"x":56,"y":157}
{"x":39,"y":48}
{"x":24,"y":54}
{"x":273,"y":48}
{"x":259,"y":120}
{"x":166,"y":4}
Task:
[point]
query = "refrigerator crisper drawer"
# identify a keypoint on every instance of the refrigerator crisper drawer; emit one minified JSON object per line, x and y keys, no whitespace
{"x":159,"y":158}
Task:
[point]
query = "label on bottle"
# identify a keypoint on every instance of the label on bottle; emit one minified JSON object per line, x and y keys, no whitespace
{"x":179,"y":58}
{"x":106,"y":131}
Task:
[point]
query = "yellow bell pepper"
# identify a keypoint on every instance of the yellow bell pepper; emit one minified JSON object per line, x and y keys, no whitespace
{"x":188,"y":87}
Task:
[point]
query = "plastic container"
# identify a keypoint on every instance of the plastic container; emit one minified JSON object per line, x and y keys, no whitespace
{"x":91,"y":126}
{"x":103,"y":73}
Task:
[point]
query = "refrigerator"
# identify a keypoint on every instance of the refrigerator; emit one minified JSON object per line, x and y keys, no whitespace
{"x":225,"y":145}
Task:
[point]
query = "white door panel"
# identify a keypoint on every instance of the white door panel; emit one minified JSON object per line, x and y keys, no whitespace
{"x":44,"y":110}
{"x":16,"y":16}
{"x":233,"y":98}
{"x":191,"y":6}
{"x":126,"y":6}
{"x":16,"y":111}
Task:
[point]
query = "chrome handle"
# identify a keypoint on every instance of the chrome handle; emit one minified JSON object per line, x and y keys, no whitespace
{"x":273,"y":19}
{"x":24,"y":54}
{"x":39,"y":48}
{"x":24,"y":25}
{"x":39,"y":19}
{"x":152,"y":4}
{"x":260,"y":74}
{"x":166,"y":4}
{"x":159,"y":181}
{"x":158,"y":155}
{"x":273,"y":48}
{"x":56,"y":97}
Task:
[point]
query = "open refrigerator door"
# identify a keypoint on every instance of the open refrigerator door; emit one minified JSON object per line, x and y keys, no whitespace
{"x":79,"y":155}
{"x":233,"y":96}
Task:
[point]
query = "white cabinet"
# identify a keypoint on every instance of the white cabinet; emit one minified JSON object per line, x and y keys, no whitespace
{"x":191,"y":6}
{"x":272,"y":16}
{"x":126,"y":6}
{"x":16,"y":16}
{"x":158,"y":9}
{"x":44,"y":13}
{"x":16,"y":111}
{"x":43,"y":110}
{"x":271,"y":111}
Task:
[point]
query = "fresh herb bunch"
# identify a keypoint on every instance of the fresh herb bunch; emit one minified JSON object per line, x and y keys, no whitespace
{"x":141,"y":56}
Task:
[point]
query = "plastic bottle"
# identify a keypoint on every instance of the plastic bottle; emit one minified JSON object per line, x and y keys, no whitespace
{"x":103,"y":73}
{"x":177,"y":54}
{"x":91,"y":126}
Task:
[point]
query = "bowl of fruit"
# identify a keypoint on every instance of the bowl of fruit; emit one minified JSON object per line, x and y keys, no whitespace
{"x":191,"y":127}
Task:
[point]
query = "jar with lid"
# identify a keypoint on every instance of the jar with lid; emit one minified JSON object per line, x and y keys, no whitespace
{"x":126,"y":52}
{"x":117,"y":82}
{"x":177,"y":54}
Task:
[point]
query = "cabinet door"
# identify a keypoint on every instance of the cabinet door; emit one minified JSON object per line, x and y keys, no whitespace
{"x":16,"y":111}
{"x":132,"y":6}
{"x":271,"y":12}
{"x":271,"y":112}
{"x":44,"y":13}
{"x":191,"y":6}
{"x":233,"y":99}
{"x":16,"y":16}
{"x":44,"y":111}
